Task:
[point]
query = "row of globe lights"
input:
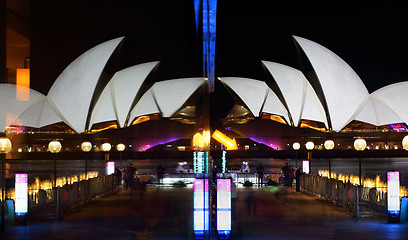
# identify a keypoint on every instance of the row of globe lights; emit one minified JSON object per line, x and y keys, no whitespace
{"x":359,"y":144}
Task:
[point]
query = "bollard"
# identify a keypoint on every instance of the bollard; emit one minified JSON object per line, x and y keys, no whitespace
{"x":404,"y":210}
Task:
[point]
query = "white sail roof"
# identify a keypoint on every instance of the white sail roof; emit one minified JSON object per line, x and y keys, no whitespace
{"x":394,"y":97}
{"x":343,"y":90}
{"x":377,"y":113}
{"x":104,"y":110}
{"x":11,"y":107}
{"x":38,"y":115}
{"x":73,"y":90}
{"x":125,"y":84}
{"x":313,"y":109}
{"x":252,"y":92}
{"x":170,"y":95}
{"x":273,"y":105}
{"x":145,"y":106}
{"x":292,"y":84}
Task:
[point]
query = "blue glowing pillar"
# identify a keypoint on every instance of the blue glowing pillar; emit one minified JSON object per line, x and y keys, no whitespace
{"x":208,"y":19}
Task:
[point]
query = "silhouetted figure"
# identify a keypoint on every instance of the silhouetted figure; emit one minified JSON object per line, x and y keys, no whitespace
{"x":160,"y":173}
{"x":128,"y":175}
{"x":260,"y":172}
{"x":118,"y":176}
{"x":287,"y":173}
{"x":298,"y":174}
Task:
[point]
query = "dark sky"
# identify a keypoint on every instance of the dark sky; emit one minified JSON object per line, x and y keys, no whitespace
{"x":371,"y":36}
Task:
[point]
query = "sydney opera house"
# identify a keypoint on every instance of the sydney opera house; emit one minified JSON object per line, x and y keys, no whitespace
{"x":322,"y":99}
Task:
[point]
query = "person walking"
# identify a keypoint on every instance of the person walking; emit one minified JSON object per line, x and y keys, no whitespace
{"x":286,"y":170}
{"x":260,"y":172}
{"x":129,"y":174}
{"x":160,"y":173}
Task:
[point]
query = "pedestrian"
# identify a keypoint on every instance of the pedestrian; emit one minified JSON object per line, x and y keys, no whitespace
{"x":247,"y":169}
{"x":286,"y":170}
{"x":129,"y":174}
{"x":260,"y":172}
{"x":243,"y":166}
{"x":118,"y":176}
{"x":160,"y":173}
{"x":297,"y":175}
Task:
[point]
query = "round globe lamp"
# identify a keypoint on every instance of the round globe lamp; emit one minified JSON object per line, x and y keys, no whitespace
{"x":296,"y":147}
{"x":5,"y":145}
{"x":86,"y":147}
{"x":329,"y":145}
{"x":55,"y":147}
{"x":360,"y":144}
{"x":405,"y":143}
{"x":309,"y":147}
{"x":120,"y":147}
{"x":106,"y":147}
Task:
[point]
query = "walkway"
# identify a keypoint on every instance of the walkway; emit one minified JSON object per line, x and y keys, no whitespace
{"x":166,"y":213}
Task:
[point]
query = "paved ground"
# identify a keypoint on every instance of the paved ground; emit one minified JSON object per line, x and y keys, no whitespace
{"x":166,"y":213}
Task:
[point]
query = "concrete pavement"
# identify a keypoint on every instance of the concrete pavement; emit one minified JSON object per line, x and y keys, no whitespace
{"x":166,"y":213}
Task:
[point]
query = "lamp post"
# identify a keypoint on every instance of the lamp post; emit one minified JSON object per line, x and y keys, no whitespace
{"x":106,"y":147}
{"x":120,"y":147}
{"x":296,"y":147}
{"x":309,"y":147}
{"x":360,"y":144}
{"x":55,"y":147}
{"x":329,"y":145}
{"x":5,"y":147}
{"x":86,"y":147}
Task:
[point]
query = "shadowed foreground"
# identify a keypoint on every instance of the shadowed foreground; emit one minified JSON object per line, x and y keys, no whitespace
{"x":166,"y":213}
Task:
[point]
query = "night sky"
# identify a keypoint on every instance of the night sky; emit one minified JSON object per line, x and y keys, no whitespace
{"x":371,"y":36}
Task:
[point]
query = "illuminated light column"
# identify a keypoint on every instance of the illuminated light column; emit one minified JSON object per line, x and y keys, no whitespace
{"x":296,"y":147}
{"x":21,"y":194}
{"x":393,"y":196}
{"x":329,"y":145}
{"x":309,"y":147}
{"x":120,"y":147}
{"x":86,"y":147}
{"x":360,"y":144}
{"x":224,"y":207}
{"x":207,"y":19}
{"x":55,"y":147}
{"x":5,"y":147}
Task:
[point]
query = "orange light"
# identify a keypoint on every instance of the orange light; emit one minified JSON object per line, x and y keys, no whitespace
{"x":23,"y":84}
{"x":231,"y":144}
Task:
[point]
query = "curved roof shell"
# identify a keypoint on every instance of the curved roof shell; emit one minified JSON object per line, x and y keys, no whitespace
{"x":273,"y":105}
{"x":252,"y":92}
{"x":170,"y":95}
{"x":344,"y":92}
{"x":39,"y":114}
{"x":395,"y":97}
{"x":73,"y":90}
{"x":116,"y":100}
{"x":292,"y":84}
{"x":11,"y":107}
{"x":145,"y":106}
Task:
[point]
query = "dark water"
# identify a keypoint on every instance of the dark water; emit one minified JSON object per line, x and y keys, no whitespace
{"x":370,"y":166}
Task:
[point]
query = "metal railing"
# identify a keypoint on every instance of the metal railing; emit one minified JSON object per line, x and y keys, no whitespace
{"x":345,"y":194}
{"x":52,"y":203}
